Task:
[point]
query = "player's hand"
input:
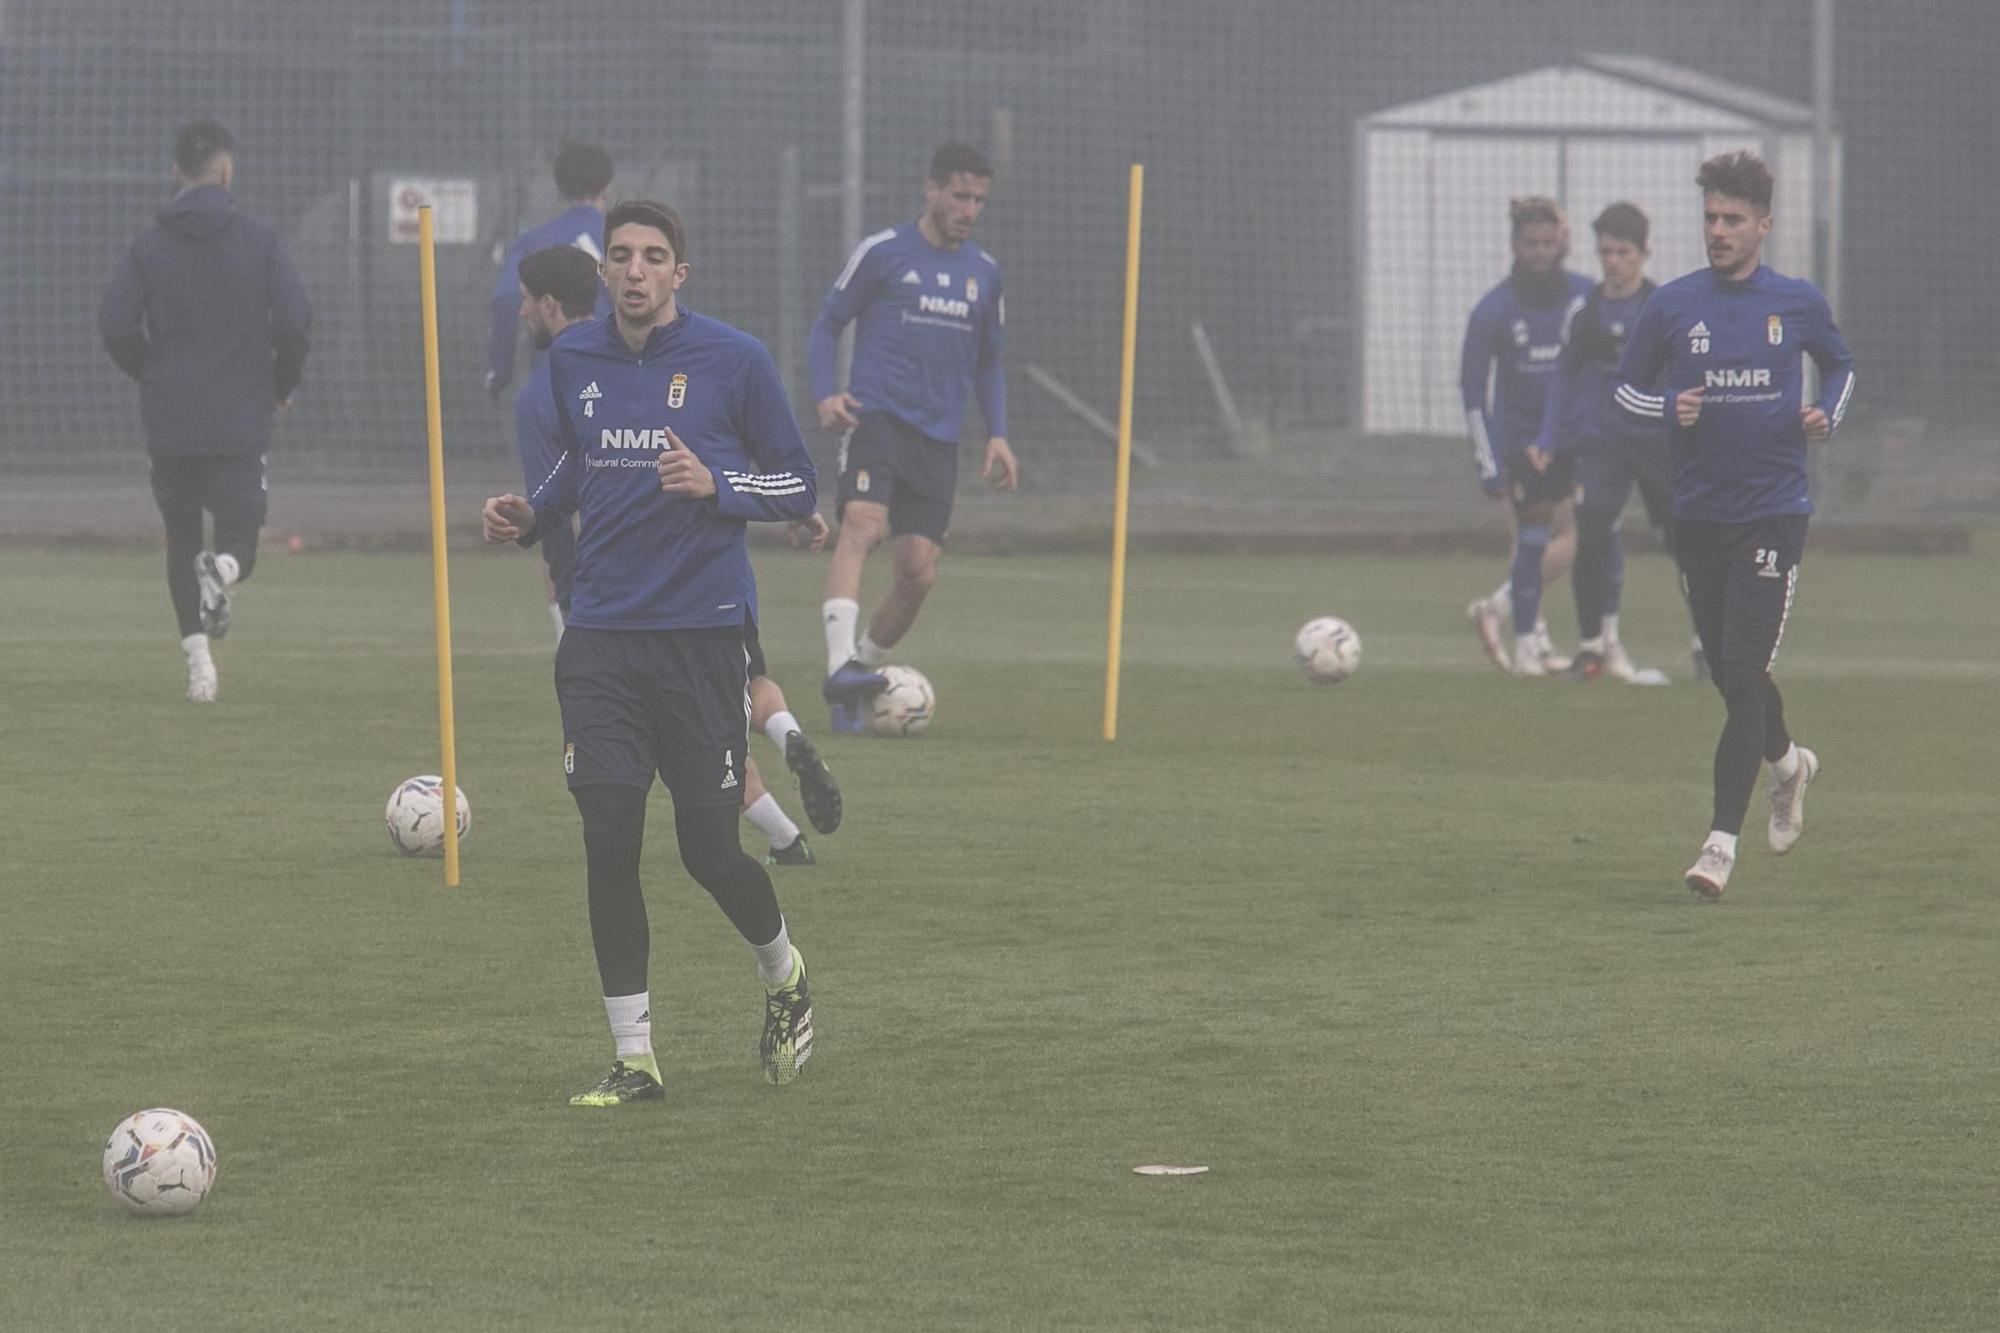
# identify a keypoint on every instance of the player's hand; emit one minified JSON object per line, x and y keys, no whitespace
{"x":1817,"y":427}
{"x":1687,"y":405}
{"x":1000,"y":467}
{"x":1538,"y":458}
{"x":681,"y":473}
{"x":507,"y":518}
{"x":836,"y":411}
{"x":810,"y":533}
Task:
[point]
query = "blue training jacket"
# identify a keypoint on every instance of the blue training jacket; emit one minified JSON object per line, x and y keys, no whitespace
{"x":1582,"y":407}
{"x":1514,"y":337}
{"x":933,"y":323}
{"x":208,"y":314}
{"x":581,"y":226}
{"x":1745,"y":457}
{"x":646,"y":559}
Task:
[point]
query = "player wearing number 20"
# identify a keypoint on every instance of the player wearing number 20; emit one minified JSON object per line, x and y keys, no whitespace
{"x":1730,"y":340}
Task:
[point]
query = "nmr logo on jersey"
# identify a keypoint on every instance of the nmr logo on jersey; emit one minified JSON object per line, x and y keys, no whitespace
{"x":945,"y":305}
{"x":1760,"y":378}
{"x":677,"y":391}
{"x":655,"y":439}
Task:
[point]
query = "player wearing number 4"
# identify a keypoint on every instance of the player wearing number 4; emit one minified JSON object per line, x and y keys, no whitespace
{"x":931,"y":324}
{"x":1730,"y":341}
{"x":675,"y":432}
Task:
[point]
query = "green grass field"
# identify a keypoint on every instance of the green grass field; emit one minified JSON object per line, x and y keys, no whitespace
{"x":1407,"y":962}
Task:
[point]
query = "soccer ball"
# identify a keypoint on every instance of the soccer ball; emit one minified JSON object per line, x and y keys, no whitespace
{"x":159,"y":1163}
{"x":1327,"y":650}
{"x":416,"y":816}
{"x":905,"y":707}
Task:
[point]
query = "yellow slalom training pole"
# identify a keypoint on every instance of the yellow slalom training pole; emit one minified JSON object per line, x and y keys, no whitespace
{"x":1122,"y":500}
{"x":440,"y":578}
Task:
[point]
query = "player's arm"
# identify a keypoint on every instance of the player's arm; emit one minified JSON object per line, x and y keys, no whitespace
{"x":1562,"y":391}
{"x":1645,"y":356}
{"x":989,"y":386}
{"x":553,"y":497}
{"x":783,"y":487}
{"x":1836,"y":374}
{"x":844,"y":301}
{"x":505,"y":331}
{"x":1475,"y":366}
{"x":121,"y":319}
{"x":291,"y":323}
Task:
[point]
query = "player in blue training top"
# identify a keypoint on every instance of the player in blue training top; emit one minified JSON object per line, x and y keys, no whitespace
{"x":583,"y":177}
{"x":675,"y":432}
{"x":1614,"y":450}
{"x":1730,"y":342}
{"x":931,"y":324}
{"x":1512,"y":342}
{"x":559,"y":288}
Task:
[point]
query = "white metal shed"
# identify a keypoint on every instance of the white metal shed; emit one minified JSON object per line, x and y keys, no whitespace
{"x":1434,"y":178}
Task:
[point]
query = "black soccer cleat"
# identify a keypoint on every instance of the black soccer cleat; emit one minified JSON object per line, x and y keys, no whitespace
{"x":623,"y":1084}
{"x":1586,"y":665}
{"x":817,"y":788}
{"x":797,"y":852}
{"x":214,"y":596}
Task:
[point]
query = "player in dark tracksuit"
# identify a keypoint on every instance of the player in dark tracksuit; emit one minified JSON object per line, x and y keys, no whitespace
{"x":1512,"y":340}
{"x":676,"y":431}
{"x":1730,"y":341}
{"x":209,"y":315}
{"x":1615,"y":451}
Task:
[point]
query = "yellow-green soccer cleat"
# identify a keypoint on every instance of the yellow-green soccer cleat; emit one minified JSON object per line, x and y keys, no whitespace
{"x":788,"y":1026}
{"x":623,"y":1084}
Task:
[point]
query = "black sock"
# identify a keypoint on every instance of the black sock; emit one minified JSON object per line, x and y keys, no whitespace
{"x":712,"y":851}
{"x":614,"y":833}
{"x":1740,"y":753}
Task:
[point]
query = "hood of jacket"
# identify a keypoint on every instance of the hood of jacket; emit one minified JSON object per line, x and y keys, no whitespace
{"x":199,"y":214}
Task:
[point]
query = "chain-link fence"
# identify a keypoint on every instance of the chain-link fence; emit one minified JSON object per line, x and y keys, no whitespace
{"x":1280,"y":276}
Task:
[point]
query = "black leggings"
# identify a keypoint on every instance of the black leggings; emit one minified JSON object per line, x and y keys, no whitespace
{"x":614,"y":834}
{"x":1754,"y":731}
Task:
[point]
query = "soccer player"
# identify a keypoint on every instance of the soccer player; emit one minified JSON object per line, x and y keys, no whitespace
{"x":1614,"y":450}
{"x":583,"y":174}
{"x":931,"y":325}
{"x":1730,"y":341}
{"x":559,"y":289}
{"x":676,"y":432}
{"x":1513,"y":340}
{"x":208,"y":314}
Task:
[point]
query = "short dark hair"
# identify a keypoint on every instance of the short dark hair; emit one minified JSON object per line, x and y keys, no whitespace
{"x":1530,"y":209}
{"x":566,"y":273}
{"x":955,"y":159}
{"x":1623,"y":221}
{"x":648,"y":213}
{"x":583,"y":170}
{"x":1739,"y":175}
{"x":197,"y":144}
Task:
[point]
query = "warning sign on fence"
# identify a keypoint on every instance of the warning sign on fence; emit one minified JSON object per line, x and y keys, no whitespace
{"x":454,"y":210}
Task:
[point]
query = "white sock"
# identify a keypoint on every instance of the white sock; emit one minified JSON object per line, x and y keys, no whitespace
{"x":1595,"y":645}
{"x":774,"y":960}
{"x":631,"y":1019}
{"x":871,"y":653}
{"x":1786,"y":766}
{"x":1611,"y":626}
{"x":1527,"y":646}
{"x":1502,"y":600}
{"x":196,"y":647}
{"x":842,"y":614}
{"x":1694,"y":642}
{"x":1717,"y":838}
{"x":781,"y":725}
{"x":226,"y":568}
{"x":772,"y":821}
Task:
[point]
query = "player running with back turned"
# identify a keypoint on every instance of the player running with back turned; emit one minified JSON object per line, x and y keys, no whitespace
{"x":931,"y":325}
{"x":1513,"y":339}
{"x":676,"y":432}
{"x":1730,"y":341}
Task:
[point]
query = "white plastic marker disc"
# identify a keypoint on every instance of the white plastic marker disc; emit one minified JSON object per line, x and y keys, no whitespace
{"x":1649,"y":676}
{"x":1158,"y":1170}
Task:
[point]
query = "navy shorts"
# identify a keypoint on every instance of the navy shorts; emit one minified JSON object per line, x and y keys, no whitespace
{"x":1739,"y":579}
{"x":1527,"y":486}
{"x":890,"y":462}
{"x":1606,"y":472}
{"x":229,"y":486}
{"x":667,"y":701}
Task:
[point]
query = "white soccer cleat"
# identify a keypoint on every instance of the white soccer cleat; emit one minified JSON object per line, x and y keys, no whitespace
{"x":1553,"y":662}
{"x":201,"y":680}
{"x":1618,"y":662}
{"x":1709,"y":875}
{"x":1486,"y":622}
{"x":1788,"y":803}
{"x":1528,"y":658}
